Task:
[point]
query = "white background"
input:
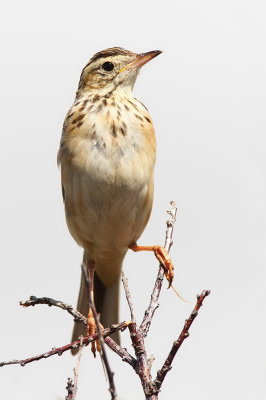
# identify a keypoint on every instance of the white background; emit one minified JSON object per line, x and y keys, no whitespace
{"x":206,"y":94}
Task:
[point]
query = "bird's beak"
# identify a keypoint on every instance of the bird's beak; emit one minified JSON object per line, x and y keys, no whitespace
{"x":141,"y":59}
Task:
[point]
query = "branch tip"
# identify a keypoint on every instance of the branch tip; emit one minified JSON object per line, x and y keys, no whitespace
{"x":177,"y":344}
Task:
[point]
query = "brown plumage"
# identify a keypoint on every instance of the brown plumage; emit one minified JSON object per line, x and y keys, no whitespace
{"x":107,"y":157}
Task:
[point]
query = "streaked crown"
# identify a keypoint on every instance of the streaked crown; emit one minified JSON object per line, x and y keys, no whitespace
{"x":111,"y":68}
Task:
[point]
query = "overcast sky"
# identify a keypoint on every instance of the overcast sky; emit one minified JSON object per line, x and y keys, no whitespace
{"x":206,"y":94}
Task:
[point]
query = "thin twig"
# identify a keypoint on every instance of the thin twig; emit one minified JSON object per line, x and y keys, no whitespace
{"x":33,"y":300}
{"x":145,"y":325}
{"x":177,"y":344}
{"x":110,"y":373}
{"x":141,"y":364}
{"x":78,"y":317}
{"x":128,"y":296}
{"x":137,"y":334}
{"x":76,"y":371}
{"x":75,"y":344}
{"x":123,"y":353}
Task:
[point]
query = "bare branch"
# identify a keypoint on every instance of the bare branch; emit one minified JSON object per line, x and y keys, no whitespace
{"x":141,"y":364}
{"x":75,"y":344}
{"x":177,"y":344}
{"x":142,"y":367}
{"x":145,"y":325}
{"x":151,"y":387}
{"x":72,"y":387}
{"x":128,"y":296}
{"x":78,"y":317}
{"x":123,"y":353}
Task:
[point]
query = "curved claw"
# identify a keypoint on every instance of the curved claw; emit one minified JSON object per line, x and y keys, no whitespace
{"x":163,"y":257}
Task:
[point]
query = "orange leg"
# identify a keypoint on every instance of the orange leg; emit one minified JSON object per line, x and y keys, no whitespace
{"x":91,"y":330}
{"x":162,"y":256}
{"x":91,"y":324}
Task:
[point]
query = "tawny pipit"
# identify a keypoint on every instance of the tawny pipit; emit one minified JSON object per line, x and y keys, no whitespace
{"x":107,"y":156}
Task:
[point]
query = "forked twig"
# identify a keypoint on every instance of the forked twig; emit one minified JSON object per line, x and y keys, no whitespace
{"x":78,"y":317}
{"x":152,"y":387}
{"x":141,"y":364}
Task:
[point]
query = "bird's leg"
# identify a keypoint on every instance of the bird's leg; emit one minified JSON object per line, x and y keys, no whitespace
{"x":91,"y":324}
{"x":162,"y":256}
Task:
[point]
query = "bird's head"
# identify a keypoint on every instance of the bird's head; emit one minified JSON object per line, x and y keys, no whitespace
{"x":112,"y":69}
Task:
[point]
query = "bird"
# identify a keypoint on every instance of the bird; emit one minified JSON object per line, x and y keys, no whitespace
{"x":107,"y":156}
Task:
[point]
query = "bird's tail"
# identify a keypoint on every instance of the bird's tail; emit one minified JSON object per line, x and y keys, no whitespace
{"x":106,"y":302}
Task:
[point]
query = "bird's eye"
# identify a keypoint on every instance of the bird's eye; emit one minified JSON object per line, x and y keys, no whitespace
{"x":108,"y":66}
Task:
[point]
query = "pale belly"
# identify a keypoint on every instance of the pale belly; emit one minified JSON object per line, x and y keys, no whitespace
{"x":108,"y":198}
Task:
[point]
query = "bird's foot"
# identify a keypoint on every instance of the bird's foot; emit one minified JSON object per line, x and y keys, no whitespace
{"x":162,"y":256}
{"x":91,"y":330}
